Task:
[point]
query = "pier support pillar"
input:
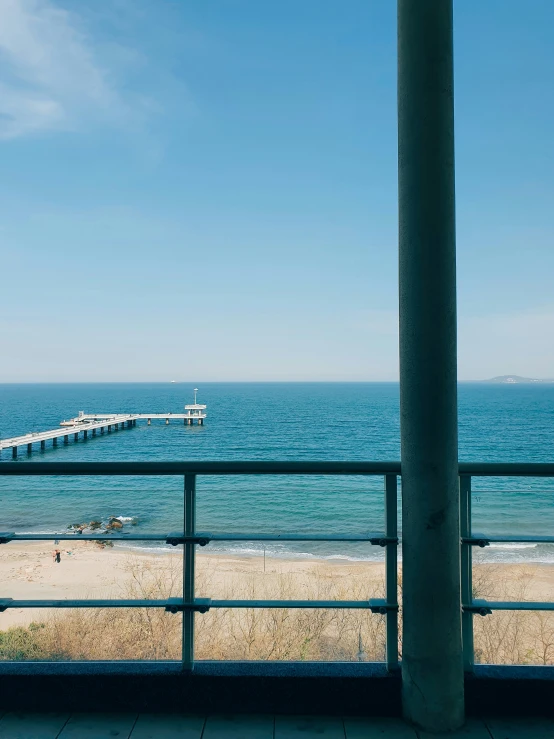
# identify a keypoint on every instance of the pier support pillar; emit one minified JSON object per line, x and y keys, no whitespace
{"x":54,"y":442}
{"x":101,"y":430}
{"x":29,"y":448}
{"x":66,"y":439}
{"x":109,"y":429}
{"x":85,"y":434}
{"x":14,"y":452}
{"x":200,"y":421}
{"x":94,"y":432}
{"x":167,"y":421}
{"x":76,"y":437}
{"x":149,"y":422}
{"x":42,"y":445}
{"x":432,"y":667}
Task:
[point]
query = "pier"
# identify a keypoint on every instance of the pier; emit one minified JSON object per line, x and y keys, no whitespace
{"x":91,"y":423}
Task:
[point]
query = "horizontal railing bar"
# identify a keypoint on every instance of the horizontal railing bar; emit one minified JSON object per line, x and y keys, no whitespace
{"x":507,"y":469}
{"x":478,"y":539}
{"x":373,"y":536}
{"x":377,"y":604}
{"x":4,"y":538}
{"x":72,"y":603}
{"x":200,"y":537}
{"x":479,"y":469}
{"x":199,"y":468}
{"x":485,"y":606}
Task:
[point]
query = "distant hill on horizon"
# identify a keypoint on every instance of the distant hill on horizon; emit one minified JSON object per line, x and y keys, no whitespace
{"x":515,"y":379}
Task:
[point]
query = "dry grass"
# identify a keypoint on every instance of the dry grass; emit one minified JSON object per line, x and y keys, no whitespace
{"x":270,"y":634}
{"x":510,"y":637}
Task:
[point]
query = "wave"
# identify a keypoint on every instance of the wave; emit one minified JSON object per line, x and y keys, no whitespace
{"x":248,"y":552}
{"x":513,"y":546}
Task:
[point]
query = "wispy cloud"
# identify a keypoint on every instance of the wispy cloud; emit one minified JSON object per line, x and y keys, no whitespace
{"x":50,"y":78}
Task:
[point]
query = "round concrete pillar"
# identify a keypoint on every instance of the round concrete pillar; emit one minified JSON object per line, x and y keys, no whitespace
{"x":432,"y":666}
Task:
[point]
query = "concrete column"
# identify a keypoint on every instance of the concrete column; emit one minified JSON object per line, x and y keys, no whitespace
{"x":200,"y":421}
{"x":149,"y":422}
{"x":167,"y":421}
{"x":29,"y":448}
{"x":14,"y":452}
{"x":94,"y":432}
{"x":76,"y":437}
{"x":109,"y":429}
{"x":54,"y":442}
{"x":85,"y":434}
{"x":66,"y":439}
{"x":42,"y":445}
{"x":432,"y":666}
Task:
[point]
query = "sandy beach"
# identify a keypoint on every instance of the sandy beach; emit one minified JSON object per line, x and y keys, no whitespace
{"x":28,"y":571}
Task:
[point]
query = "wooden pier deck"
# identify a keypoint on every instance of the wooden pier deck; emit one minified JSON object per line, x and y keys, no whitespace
{"x":93,"y":422}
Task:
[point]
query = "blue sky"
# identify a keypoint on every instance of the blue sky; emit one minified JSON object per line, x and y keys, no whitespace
{"x":208,"y":191}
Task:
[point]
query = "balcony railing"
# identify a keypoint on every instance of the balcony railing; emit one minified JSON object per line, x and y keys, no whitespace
{"x":470,"y":540}
{"x":190,"y":538}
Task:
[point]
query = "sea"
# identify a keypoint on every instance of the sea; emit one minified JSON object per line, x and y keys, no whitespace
{"x":273,"y":421}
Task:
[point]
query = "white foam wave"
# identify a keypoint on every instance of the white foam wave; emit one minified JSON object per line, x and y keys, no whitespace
{"x":513,"y":546}
{"x":247,"y":552}
{"x":125,"y":518}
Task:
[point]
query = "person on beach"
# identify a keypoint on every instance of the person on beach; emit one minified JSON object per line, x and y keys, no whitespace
{"x":56,"y":556}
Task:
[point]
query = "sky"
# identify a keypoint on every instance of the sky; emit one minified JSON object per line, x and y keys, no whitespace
{"x":207,"y":191}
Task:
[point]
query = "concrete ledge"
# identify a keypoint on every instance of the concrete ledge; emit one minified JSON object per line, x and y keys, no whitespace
{"x":259,"y":687}
{"x":510,"y":690}
{"x":256,"y":687}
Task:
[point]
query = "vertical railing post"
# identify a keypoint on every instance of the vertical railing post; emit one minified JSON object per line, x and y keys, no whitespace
{"x":467,"y":575}
{"x":432,"y":659}
{"x":391,"y":569}
{"x":189,"y":552}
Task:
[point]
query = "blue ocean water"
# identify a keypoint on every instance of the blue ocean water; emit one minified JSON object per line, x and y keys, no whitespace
{"x":266,"y":421}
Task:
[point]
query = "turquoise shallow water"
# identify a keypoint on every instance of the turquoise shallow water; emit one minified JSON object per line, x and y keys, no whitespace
{"x":355,"y":421}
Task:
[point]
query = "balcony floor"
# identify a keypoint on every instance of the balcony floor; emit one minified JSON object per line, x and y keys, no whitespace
{"x":164,"y":726}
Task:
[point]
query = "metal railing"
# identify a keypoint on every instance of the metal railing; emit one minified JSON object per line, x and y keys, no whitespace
{"x":470,"y":539}
{"x":190,"y":538}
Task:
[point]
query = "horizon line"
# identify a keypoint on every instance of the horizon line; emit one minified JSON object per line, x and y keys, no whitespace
{"x":529,"y":381}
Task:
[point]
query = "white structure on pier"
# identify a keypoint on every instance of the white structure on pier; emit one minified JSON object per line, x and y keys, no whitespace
{"x":103,"y":422}
{"x":195,"y":412}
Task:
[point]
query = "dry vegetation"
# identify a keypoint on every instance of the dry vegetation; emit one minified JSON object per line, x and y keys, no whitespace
{"x":510,"y":637}
{"x":273,"y":634}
